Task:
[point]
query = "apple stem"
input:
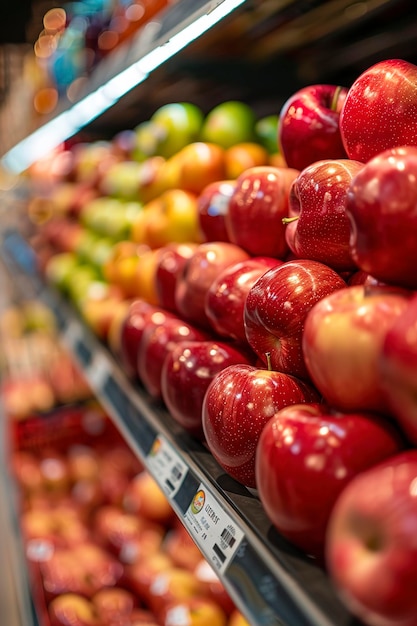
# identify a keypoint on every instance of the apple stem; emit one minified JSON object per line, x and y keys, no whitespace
{"x":268,"y":361}
{"x":288,"y":220}
{"x":333,"y":104}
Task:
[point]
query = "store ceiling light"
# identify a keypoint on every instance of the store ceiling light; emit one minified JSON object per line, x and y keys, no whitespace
{"x":66,"y":124}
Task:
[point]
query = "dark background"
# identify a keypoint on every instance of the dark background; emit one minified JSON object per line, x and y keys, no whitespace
{"x":21,"y":20}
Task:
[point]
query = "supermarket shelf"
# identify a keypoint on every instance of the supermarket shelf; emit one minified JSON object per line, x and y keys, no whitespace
{"x":270,"y":581}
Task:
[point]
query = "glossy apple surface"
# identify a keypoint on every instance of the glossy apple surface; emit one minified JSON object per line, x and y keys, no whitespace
{"x":318,"y":226}
{"x":157,"y":341}
{"x":256,"y":209}
{"x":308,"y":128}
{"x":186,"y":374}
{"x":212,"y":206}
{"x":397,"y":369}
{"x":226,"y":297}
{"x":201,"y":269}
{"x":381,"y":205}
{"x":371,"y":548}
{"x":306,"y":455}
{"x":130,"y":334}
{"x":342,"y":340}
{"x":276,"y":307}
{"x":237,"y":405}
{"x":171,"y":262}
{"x":380,"y":110}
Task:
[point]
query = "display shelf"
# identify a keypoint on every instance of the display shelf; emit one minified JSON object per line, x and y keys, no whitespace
{"x":260,"y":53}
{"x":271,"y":581}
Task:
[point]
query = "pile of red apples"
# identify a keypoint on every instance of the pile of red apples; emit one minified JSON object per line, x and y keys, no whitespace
{"x":286,"y":339}
{"x":103,"y":544}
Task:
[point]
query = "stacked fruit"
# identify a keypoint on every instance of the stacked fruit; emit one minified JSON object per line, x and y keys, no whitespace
{"x":102,"y":541}
{"x":37,"y":372}
{"x":299,"y":315}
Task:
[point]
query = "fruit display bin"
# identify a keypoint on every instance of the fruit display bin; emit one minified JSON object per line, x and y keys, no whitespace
{"x":270,"y":581}
{"x":256,"y":52}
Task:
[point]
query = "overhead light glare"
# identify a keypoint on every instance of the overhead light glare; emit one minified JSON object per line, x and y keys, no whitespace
{"x":67,"y":123}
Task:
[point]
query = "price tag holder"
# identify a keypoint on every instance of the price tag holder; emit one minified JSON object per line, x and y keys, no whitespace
{"x":71,"y":333}
{"x":98,"y":371}
{"x":163,"y":461}
{"x":215,"y":531}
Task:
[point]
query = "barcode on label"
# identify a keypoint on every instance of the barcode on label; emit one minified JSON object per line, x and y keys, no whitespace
{"x":221,"y":556}
{"x":169,"y":485}
{"x":176,"y":472}
{"x":228,"y":537}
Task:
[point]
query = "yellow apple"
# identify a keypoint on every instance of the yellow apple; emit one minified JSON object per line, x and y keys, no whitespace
{"x":172,"y":217}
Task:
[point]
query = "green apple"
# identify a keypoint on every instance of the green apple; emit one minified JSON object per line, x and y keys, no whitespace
{"x":229,"y":123}
{"x":177,"y":125}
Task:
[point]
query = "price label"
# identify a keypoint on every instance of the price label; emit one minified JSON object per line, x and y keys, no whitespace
{"x":216,"y":533}
{"x":163,"y":461}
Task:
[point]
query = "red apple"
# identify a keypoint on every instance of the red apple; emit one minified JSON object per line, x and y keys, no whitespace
{"x":238,"y":403}
{"x":256,"y":209}
{"x":397,"y":367}
{"x":84,"y":568}
{"x":44,"y":524}
{"x":380,"y":110}
{"x":225,"y":299}
{"x":306,"y":454}
{"x":318,"y":227}
{"x":115,"y":528}
{"x":371,"y":543}
{"x":145,"y":499}
{"x":308,"y":128}
{"x":157,"y":341}
{"x":101,"y":568}
{"x":201,"y":269}
{"x":187,"y":371}
{"x":130,"y":333}
{"x":342,"y":340}
{"x":276,"y":307}
{"x":114,"y":604}
{"x":140,"y":574}
{"x":172,"y":259}
{"x":212,"y":205}
{"x":381,"y":205}
{"x":181,"y":547}
{"x":362,"y":278}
